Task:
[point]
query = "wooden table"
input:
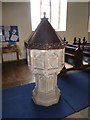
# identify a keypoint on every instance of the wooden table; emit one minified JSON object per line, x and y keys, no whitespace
{"x":10,"y":49}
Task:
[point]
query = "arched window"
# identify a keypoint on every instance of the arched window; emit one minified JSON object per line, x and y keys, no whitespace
{"x":56,"y":12}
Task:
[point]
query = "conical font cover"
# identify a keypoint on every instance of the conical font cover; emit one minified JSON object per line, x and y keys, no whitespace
{"x":45,"y":37}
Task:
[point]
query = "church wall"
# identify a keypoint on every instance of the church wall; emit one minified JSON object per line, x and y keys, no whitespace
{"x":0,"y":13}
{"x":77,"y":21}
{"x":88,"y":36}
{"x":0,"y":67}
{"x":0,"y":24}
{"x":89,"y":22}
{"x":16,"y":13}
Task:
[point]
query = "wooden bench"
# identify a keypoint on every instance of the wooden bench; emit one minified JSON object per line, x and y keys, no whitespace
{"x":75,"y":53}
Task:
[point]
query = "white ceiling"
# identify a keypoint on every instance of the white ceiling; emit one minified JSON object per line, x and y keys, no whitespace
{"x":29,"y":0}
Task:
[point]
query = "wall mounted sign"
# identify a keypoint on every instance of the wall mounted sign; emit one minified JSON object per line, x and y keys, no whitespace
{"x":9,"y":34}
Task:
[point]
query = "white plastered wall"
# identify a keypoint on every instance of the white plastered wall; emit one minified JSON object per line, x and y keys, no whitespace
{"x":0,"y":25}
{"x":89,"y":22}
{"x":77,"y":21}
{"x":17,"y":13}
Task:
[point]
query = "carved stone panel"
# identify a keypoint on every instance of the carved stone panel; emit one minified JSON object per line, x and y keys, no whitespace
{"x":41,"y":80}
{"x":50,"y":82}
{"x":53,"y":61}
{"x":39,"y":61}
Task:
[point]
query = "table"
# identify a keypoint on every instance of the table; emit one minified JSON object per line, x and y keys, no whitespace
{"x":11,"y":49}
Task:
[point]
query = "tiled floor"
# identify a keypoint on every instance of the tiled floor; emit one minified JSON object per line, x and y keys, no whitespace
{"x":14,"y":74}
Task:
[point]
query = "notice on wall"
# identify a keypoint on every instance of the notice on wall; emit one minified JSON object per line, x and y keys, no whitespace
{"x":14,"y":38}
{"x":9,"y":34}
{"x":7,"y":28}
{"x":6,"y":33}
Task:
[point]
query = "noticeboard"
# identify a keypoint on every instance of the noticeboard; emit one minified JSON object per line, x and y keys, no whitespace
{"x":9,"y":34}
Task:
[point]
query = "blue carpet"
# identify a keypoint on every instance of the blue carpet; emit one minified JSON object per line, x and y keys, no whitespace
{"x":17,"y":101}
{"x":75,"y":89}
